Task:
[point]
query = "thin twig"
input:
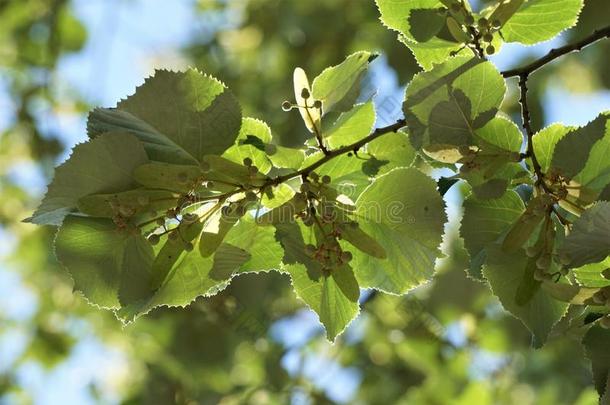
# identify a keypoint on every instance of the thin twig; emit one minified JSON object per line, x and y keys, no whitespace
{"x":556,"y":53}
{"x":526,"y":124}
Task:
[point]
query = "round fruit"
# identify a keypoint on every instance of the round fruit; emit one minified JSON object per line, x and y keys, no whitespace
{"x":154,"y":239}
{"x":286,"y":106}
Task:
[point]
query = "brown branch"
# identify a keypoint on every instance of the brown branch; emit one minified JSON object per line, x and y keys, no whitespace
{"x":556,"y":53}
{"x":526,"y":124}
{"x":331,"y":154}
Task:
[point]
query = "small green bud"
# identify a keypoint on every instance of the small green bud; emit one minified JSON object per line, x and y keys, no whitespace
{"x":483,"y":22}
{"x":286,"y":105}
{"x":490,"y":50}
{"x":326,"y":179}
{"x":317,"y":104}
{"x":154,"y":239}
{"x":305,"y":93}
{"x":346,"y":256}
{"x":189,"y":217}
{"x":310,"y":250}
{"x":209,"y":184}
{"x":270,"y":149}
{"x":251,"y":196}
{"x":488,"y":37}
{"x":599,"y":298}
{"x":247,"y":161}
{"x":543,"y":262}
{"x":531,"y":251}
{"x":314,"y":176}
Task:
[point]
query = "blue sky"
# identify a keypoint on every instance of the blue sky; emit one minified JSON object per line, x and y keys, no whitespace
{"x":127,"y":40}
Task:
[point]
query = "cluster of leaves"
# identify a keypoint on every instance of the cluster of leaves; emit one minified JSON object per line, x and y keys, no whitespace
{"x":176,"y":193}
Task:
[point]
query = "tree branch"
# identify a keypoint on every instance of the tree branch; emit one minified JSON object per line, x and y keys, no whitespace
{"x":556,"y":53}
{"x":331,"y":154}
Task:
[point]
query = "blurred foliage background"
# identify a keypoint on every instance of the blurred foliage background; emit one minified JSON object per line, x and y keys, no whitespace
{"x":446,"y":342}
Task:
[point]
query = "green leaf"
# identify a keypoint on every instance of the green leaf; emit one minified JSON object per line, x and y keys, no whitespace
{"x":253,"y":135}
{"x":592,"y":275}
{"x":545,"y":141}
{"x":193,"y":111}
{"x":425,"y":23}
{"x":523,"y":228}
{"x":338,"y":86}
{"x":398,"y":15}
{"x":227,"y":260}
{"x":484,"y":222}
{"x":172,"y":250}
{"x":333,"y":296}
{"x":265,"y":251}
{"x":511,"y":276}
{"x":167,"y":176}
{"x":589,"y":240}
{"x":102,"y":165}
{"x":405,"y":214}
{"x":104,"y":260}
{"x":596,"y":343}
{"x":449,"y":103}
{"x":541,"y":20}
{"x":500,"y":133}
{"x":573,"y":150}
{"x":351,"y":126}
{"x":393,"y":148}
{"x":434,"y":51}
{"x":158,"y":146}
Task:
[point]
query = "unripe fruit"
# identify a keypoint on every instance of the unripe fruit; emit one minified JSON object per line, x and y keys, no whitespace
{"x":154,"y":239}
{"x":531,"y":251}
{"x":490,"y":50}
{"x":286,"y":106}
{"x":172,"y":235}
{"x":250,"y":196}
{"x":456,"y":7}
{"x":160,"y":221}
{"x":188,"y":246}
{"x":346,"y":256}
{"x":253,"y":169}
{"x":310,"y":250}
{"x":469,"y":20}
{"x":326,"y":179}
{"x":496,"y":24}
{"x":247,"y":161}
{"x":483,"y":22}
{"x":543,"y":262}
{"x":305,"y":94}
{"x":270,"y":149}
{"x":317,"y":104}
{"x":599,"y":298}
{"x":488,"y":37}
